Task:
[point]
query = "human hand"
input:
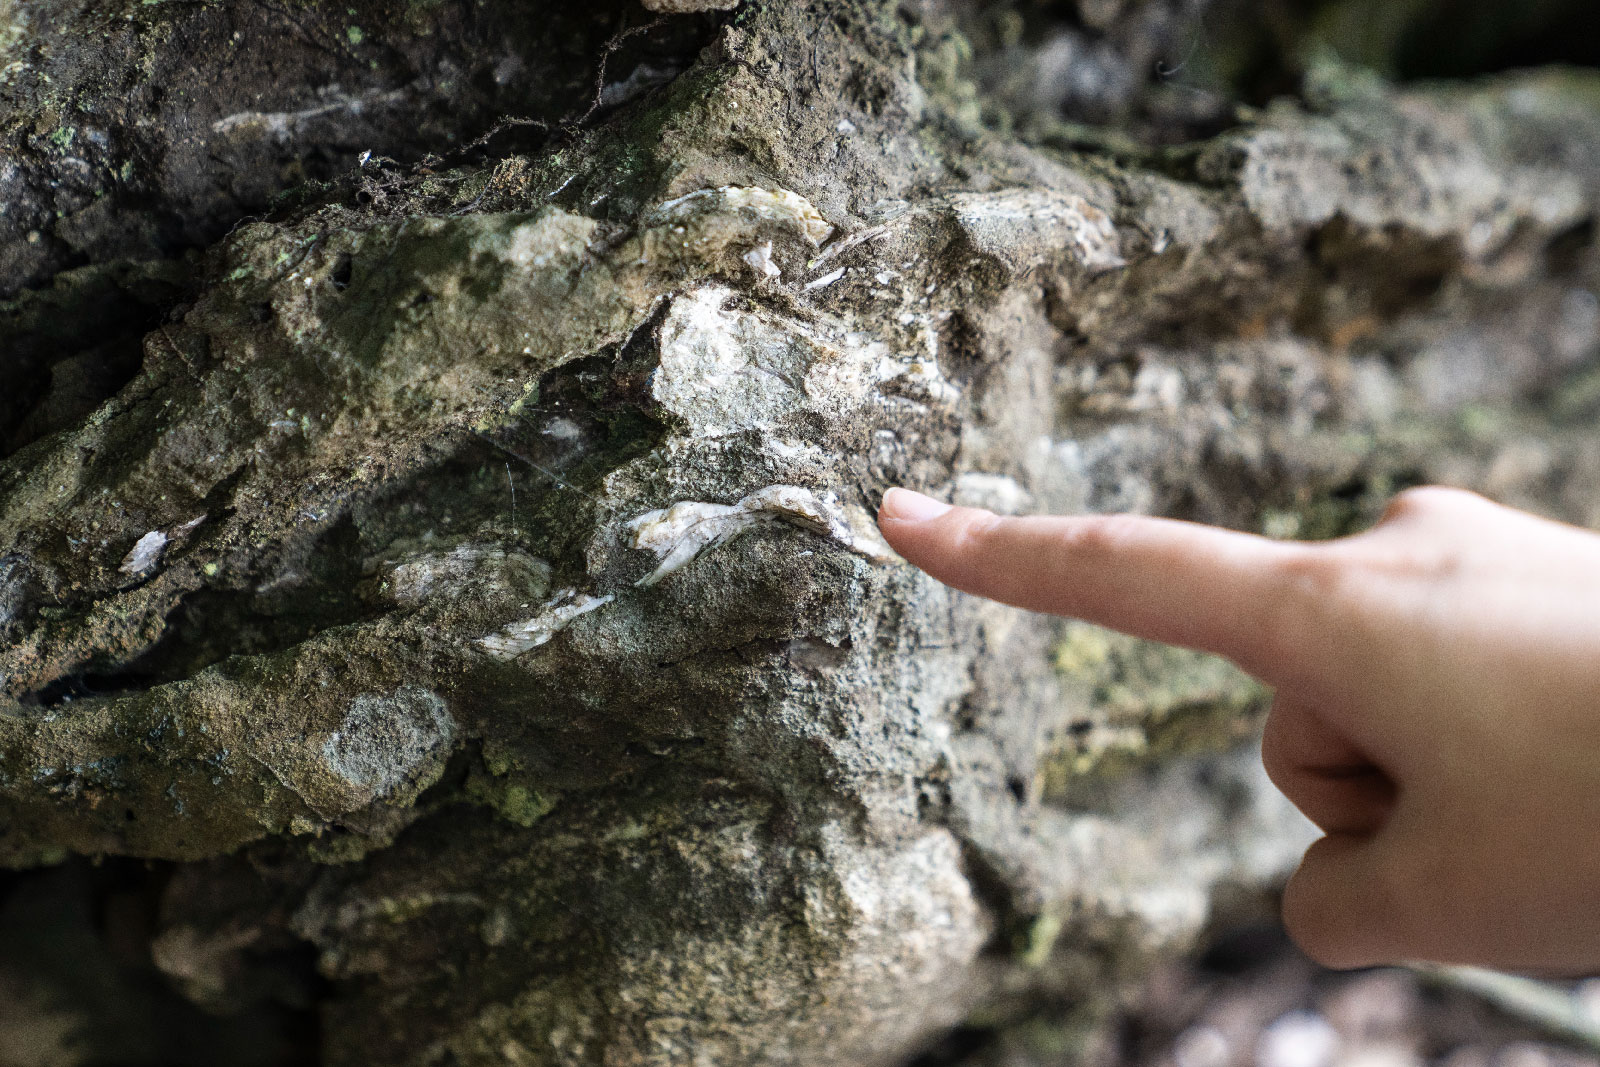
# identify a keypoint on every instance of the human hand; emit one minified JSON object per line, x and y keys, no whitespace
{"x":1436,"y":710}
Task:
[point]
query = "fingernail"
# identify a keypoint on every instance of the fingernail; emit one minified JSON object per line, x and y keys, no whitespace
{"x":907,"y":506}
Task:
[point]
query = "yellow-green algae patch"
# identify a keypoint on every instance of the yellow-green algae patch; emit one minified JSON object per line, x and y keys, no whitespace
{"x":1147,"y":701}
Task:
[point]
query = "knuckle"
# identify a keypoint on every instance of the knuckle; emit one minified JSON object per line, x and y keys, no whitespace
{"x":1408,"y":503}
{"x":1311,"y":584}
{"x":1312,"y":573}
{"x":1102,"y":535}
{"x":979,"y":532}
{"x":1429,"y":558}
{"x":1426,"y":501}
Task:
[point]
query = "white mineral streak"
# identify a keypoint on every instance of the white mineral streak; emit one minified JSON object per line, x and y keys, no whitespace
{"x":281,"y":124}
{"x":794,"y":451}
{"x":528,"y":634}
{"x":845,"y":244}
{"x":722,"y":371}
{"x":1025,"y":227}
{"x":680,"y":533}
{"x":467,"y":569}
{"x":919,"y":381}
{"x":146,"y":553}
{"x":773,"y":205}
{"x":826,"y":280}
{"x":148,"y":550}
{"x":760,"y":257}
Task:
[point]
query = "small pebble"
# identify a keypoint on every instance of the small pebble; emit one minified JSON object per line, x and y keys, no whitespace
{"x":1297,"y":1039}
{"x":1587,"y":995}
{"x":1201,"y":1046}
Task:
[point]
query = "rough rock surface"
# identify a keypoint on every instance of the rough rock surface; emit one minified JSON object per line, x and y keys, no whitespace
{"x":474,"y":578}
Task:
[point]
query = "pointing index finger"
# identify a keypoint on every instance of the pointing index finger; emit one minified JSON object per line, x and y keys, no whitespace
{"x":1178,"y":582}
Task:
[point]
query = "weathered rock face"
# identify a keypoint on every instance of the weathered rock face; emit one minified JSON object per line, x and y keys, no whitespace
{"x":133,"y":129}
{"x":476,"y":582}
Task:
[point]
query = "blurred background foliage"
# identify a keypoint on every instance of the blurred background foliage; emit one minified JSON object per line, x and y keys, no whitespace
{"x":1174,"y":70}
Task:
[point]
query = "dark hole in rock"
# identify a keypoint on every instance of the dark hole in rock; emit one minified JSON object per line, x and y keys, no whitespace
{"x":340,"y":277}
{"x":955,"y":1047}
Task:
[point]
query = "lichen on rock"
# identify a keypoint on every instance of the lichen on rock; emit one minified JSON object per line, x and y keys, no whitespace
{"x":387,"y":744}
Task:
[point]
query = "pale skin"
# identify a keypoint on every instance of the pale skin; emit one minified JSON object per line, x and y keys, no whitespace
{"x":1436,"y":709}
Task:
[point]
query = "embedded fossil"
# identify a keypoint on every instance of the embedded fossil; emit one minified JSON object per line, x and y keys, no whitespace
{"x":681,"y":532}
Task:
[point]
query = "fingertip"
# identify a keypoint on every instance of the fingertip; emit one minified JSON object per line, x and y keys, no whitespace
{"x":907,"y":505}
{"x":939,"y":539}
